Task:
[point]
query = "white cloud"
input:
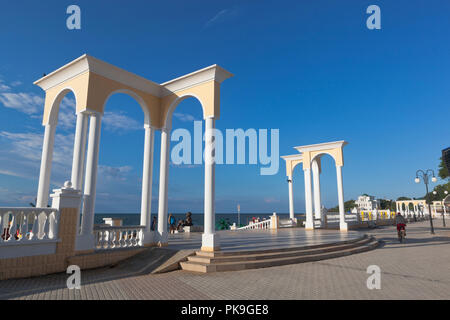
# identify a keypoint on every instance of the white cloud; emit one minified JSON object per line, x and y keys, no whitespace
{"x":4,"y":87}
{"x":28,"y":103}
{"x":16,"y":83}
{"x":116,"y":121}
{"x":21,"y":155}
{"x":114,"y":173}
{"x":66,"y":116}
{"x":184,"y":117}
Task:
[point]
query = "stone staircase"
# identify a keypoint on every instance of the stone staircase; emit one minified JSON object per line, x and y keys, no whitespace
{"x":205,"y":262}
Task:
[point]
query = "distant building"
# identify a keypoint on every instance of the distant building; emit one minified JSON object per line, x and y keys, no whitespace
{"x":365,"y":202}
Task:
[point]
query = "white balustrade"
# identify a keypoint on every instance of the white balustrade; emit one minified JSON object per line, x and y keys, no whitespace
{"x":265,"y":224}
{"x":108,"y":237}
{"x":25,"y":225}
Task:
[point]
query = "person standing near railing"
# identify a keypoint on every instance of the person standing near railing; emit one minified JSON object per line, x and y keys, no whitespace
{"x":154,"y":223}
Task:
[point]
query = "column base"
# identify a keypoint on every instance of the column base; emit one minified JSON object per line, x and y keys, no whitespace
{"x":162,"y":238}
{"x":84,"y":242}
{"x":343,"y":226}
{"x":210,"y":242}
{"x":147,"y":237}
{"x":309,"y":225}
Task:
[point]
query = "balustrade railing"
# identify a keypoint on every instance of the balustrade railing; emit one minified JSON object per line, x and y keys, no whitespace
{"x":108,"y":237}
{"x":23,"y":225}
{"x":265,"y":224}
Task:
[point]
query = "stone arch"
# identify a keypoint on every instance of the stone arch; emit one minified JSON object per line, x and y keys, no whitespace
{"x":55,"y":104}
{"x":137,"y":98}
{"x":168,"y":115}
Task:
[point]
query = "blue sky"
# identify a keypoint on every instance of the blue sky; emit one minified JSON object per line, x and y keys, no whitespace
{"x":309,"y":68}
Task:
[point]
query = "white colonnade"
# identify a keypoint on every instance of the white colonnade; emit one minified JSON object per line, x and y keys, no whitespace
{"x":101,"y":80}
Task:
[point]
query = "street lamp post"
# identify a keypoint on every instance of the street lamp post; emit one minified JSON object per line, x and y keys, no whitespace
{"x":425,"y":175}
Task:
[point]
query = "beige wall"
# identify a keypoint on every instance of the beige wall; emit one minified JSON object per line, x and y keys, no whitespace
{"x":64,"y":256}
{"x":92,"y":92}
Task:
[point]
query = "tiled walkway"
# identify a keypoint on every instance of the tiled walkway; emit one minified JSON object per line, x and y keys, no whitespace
{"x":417,"y":269}
{"x":262,"y":239}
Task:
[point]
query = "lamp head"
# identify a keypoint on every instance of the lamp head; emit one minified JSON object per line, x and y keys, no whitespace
{"x":433,"y":179}
{"x":434,"y":192}
{"x":417,"y":180}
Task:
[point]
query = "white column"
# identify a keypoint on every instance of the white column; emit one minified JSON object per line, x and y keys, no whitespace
{"x":163,"y":186}
{"x":317,"y":196}
{"x":342,"y":224}
{"x":210,"y":241}
{"x":291,"y":198}
{"x":86,"y":240}
{"x":79,"y":151}
{"x":308,"y":200}
{"x":46,"y":166}
{"x":147,"y":175}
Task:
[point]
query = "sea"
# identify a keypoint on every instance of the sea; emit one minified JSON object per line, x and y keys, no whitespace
{"x":133,"y":219}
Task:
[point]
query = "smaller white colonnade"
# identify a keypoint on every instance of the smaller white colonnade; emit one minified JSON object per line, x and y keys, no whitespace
{"x":309,"y":157}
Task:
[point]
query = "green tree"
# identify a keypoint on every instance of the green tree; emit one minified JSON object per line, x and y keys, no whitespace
{"x":403,"y":198}
{"x":387,"y":204}
{"x":443,"y":171}
{"x":348,"y":206}
{"x":440,"y":192}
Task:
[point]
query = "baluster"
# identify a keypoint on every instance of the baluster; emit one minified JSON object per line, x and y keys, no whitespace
{"x":112,"y":239}
{"x":129,"y":238}
{"x":35,"y":228}
{"x":12,"y":226}
{"x":52,"y":225}
{"x":122,"y":238}
{"x":98,"y":239}
{"x":116,"y":238}
{"x":23,"y":226}
{"x":46,"y":225}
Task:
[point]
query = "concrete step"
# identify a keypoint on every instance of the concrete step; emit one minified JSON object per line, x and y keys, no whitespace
{"x":218,"y":266}
{"x":256,"y":255}
{"x":249,"y":252}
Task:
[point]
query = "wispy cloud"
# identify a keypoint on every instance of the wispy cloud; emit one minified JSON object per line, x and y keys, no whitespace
{"x":184,"y":117}
{"x":114,"y":173}
{"x":3,"y":86}
{"x":119,"y":121}
{"x":222,"y":16}
{"x":28,"y":103}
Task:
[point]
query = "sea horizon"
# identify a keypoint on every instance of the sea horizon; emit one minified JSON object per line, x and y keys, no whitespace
{"x":133,"y":219}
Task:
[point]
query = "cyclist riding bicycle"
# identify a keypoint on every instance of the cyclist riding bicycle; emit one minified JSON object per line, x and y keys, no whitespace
{"x":400,"y":221}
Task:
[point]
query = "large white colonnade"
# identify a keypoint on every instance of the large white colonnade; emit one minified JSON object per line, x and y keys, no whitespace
{"x":310,"y":157}
{"x":93,"y":81}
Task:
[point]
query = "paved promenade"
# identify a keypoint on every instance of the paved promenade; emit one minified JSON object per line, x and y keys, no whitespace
{"x":417,"y":269}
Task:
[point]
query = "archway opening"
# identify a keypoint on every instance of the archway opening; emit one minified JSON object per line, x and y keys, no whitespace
{"x":65,"y":114}
{"x":120,"y":166}
{"x":186,"y":172}
{"x":328,"y":184}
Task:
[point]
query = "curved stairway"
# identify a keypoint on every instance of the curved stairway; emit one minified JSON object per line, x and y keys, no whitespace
{"x":241,"y":260}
